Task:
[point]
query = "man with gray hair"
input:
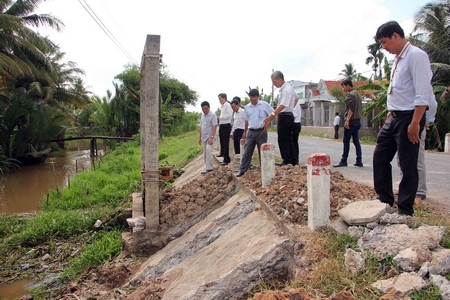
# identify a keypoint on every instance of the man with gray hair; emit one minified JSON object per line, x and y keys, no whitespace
{"x":285,"y":125}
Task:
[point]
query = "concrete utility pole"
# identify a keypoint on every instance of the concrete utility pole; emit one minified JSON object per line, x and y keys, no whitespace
{"x":149,"y":108}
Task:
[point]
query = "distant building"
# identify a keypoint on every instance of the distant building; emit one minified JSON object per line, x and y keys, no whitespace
{"x":319,"y":106}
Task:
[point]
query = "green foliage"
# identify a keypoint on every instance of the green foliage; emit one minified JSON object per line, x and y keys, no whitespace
{"x":180,"y":122}
{"x":57,"y":224}
{"x":108,"y":185}
{"x":379,"y":100}
{"x":106,"y":246}
{"x":430,"y":293}
{"x":10,"y":224}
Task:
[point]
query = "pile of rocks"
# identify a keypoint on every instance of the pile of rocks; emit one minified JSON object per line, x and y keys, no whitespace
{"x":383,"y":233}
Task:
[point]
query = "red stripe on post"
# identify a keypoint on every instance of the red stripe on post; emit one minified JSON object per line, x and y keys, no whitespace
{"x":319,"y":160}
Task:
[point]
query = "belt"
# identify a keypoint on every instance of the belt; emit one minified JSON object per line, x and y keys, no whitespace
{"x":256,"y":129}
{"x":397,"y":113}
{"x":286,"y":113}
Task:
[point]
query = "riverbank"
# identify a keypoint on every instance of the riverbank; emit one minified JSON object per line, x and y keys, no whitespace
{"x":34,"y":245}
{"x":62,"y":239}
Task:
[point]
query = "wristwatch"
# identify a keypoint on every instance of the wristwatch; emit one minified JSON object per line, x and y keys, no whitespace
{"x":273,"y":114}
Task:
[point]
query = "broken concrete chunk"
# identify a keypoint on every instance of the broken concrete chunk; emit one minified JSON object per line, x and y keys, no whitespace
{"x":411,"y":259}
{"x":362,"y":212}
{"x":354,"y":261}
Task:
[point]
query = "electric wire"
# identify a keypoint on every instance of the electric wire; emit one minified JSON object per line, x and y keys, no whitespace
{"x":106,"y":30}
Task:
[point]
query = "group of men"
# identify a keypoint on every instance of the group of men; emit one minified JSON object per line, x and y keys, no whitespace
{"x":410,"y":102}
{"x":249,"y":126}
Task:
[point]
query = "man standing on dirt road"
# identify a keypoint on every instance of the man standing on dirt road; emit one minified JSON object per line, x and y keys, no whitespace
{"x":255,"y":129}
{"x":225,"y":128}
{"x":408,"y":97}
{"x":208,"y":125}
{"x":287,"y":97}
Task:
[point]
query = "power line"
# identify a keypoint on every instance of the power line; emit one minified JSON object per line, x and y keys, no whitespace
{"x":106,"y":30}
{"x":332,"y":41}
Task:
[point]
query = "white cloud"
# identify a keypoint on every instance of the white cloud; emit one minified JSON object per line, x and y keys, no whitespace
{"x":226,"y":46}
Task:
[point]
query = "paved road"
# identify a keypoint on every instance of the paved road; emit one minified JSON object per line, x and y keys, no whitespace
{"x":438,"y":165}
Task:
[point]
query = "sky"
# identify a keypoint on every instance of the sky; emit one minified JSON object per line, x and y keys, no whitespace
{"x":223,"y":47}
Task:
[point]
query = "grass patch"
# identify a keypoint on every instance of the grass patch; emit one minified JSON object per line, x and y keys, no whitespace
{"x":106,"y":246}
{"x":69,"y":214}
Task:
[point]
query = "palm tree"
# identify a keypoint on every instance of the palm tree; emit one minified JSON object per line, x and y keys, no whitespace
{"x":376,"y":56}
{"x":349,"y":72}
{"x":22,"y":50}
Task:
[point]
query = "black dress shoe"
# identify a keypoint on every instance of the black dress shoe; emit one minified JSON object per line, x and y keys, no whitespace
{"x":219,"y":155}
{"x":207,"y":171}
{"x":281,"y":164}
{"x":239,"y":174}
{"x":341,"y":164}
{"x":224,"y":163}
{"x":358,"y":164}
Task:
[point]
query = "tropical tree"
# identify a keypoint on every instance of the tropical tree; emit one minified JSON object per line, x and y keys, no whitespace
{"x":376,"y":57}
{"x":22,"y":50}
{"x":348,"y":72}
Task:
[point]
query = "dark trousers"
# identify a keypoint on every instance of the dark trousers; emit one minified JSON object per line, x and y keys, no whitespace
{"x":352,"y":133}
{"x":392,"y":138}
{"x":254,"y":138}
{"x":336,"y":131}
{"x":285,"y":141}
{"x":237,"y":135}
{"x":224,"y":136}
{"x":297,"y":127}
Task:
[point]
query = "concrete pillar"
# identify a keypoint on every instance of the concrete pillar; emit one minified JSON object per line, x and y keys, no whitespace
{"x":447,"y":143}
{"x":318,"y":190}
{"x":149,"y":94}
{"x":267,"y":163}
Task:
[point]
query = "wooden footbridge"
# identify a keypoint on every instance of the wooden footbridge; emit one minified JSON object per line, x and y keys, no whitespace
{"x":93,"y":138}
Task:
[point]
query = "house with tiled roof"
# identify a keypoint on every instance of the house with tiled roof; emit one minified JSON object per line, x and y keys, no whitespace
{"x":319,"y":105}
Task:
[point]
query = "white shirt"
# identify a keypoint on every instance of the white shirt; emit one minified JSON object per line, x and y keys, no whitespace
{"x":297,"y":113}
{"x":411,"y":80}
{"x":226,"y":113}
{"x":336,"y":121}
{"x":430,"y":114}
{"x":287,"y":97}
{"x":239,"y":122}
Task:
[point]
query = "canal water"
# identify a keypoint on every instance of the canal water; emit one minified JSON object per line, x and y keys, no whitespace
{"x":22,"y":190}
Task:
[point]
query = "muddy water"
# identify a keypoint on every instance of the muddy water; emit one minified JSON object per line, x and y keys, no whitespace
{"x":14,"y":290}
{"x":24,"y":189}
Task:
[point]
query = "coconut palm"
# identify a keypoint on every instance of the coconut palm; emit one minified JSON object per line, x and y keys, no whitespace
{"x":376,"y":57}
{"x":22,"y":49}
{"x":349,"y":72}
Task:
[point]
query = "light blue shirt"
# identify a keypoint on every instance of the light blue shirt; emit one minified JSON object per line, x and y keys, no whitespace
{"x":207,"y":123}
{"x":411,"y":81}
{"x":255,"y":114}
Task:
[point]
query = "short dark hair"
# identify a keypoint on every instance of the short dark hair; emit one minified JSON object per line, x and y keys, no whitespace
{"x":237,"y":98}
{"x":235,"y":102}
{"x":388,"y":29}
{"x":336,"y":113}
{"x":222,"y":95}
{"x":204,"y":103}
{"x":347,"y":82}
{"x":253,"y":92}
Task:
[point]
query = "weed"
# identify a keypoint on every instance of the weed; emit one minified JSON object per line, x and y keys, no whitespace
{"x":430,"y":293}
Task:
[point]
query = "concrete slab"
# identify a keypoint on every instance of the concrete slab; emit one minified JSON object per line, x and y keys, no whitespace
{"x":222,"y":257}
{"x":362,"y":212}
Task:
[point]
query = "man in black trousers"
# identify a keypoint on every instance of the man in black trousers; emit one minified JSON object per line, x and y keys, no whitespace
{"x":285,"y":125}
{"x":225,"y":128}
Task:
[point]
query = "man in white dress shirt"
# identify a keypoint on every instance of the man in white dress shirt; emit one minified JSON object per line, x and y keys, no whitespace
{"x":238,"y":125}
{"x":225,"y":128}
{"x":409,"y":95}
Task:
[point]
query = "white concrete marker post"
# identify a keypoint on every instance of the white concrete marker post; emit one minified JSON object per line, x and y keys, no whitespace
{"x":267,"y":163}
{"x":447,"y":143}
{"x":318,"y":190}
